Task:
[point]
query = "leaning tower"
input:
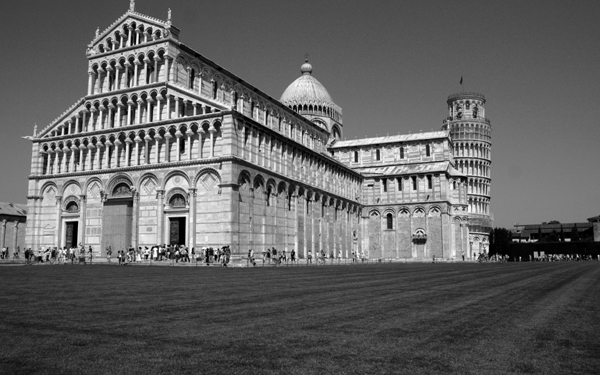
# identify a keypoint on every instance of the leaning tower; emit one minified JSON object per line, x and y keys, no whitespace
{"x":471,"y":133}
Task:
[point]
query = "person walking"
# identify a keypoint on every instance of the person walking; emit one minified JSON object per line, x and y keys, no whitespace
{"x":293,"y":256}
{"x":108,"y":254}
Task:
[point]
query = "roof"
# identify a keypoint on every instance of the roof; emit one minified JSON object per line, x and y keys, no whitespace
{"x":306,"y":89}
{"x":594,"y":219}
{"x":417,"y":168}
{"x":13,"y":209}
{"x":390,"y":139}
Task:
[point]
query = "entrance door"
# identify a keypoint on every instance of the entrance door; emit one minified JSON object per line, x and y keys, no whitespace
{"x":117,"y":225}
{"x":177,"y":231}
{"x":71,"y":234}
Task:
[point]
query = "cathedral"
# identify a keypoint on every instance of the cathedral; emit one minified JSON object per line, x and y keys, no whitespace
{"x":168,"y":147}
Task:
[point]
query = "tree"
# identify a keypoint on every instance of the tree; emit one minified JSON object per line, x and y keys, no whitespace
{"x":574,"y":233}
{"x":539,"y":234}
{"x":562,"y":234}
{"x":554,"y":222}
{"x":500,"y":238}
{"x":553,"y":237}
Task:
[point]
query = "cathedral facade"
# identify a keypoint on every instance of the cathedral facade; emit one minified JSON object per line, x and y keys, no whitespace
{"x":169,"y":147}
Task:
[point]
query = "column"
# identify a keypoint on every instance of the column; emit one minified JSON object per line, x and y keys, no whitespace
{"x":117,"y":158}
{"x":55,"y":163}
{"x":192,"y":218}
{"x":134,"y":221}
{"x":49,"y":166}
{"x":58,"y":234}
{"x":106,"y":84}
{"x":98,"y":80}
{"x":2,"y":232}
{"x":129,"y":119}
{"x":98,"y":147}
{"x":90,"y":83}
{"x":90,"y":158}
{"x":106,"y":163}
{"x":41,"y":162}
{"x":119,"y":106}
{"x":157,"y":138}
{"x":168,"y":107}
{"x":84,"y":127}
{"x":160,"y":195}
{"x":149,"y":116}
{"x":100,"y":163}
{"x":147,"y":140}
{"x":72,"y":151}
{"x":110,"y":121}
{"x":92,"y":119}
{"x":167,"y":156}
{"x":158,"y":113}
{"x":126,"y":72}
{"x":177,"y":114}
{"x":101,"y":117}
{"x":15,"y":237}
{"x":118,"y":80}
{"x":146,"y":79}
{"x":137,"y":149}
{"x":190,"y":133}
{"x":127,"y":148}
{"x":139,"y":111}
{"x":178,"y":135}
{"x":136,"y":69}
{"x":212,"y":131}
{"x":156,"y":61}
{"x":200,"y":139}
{"x":77,"y":122}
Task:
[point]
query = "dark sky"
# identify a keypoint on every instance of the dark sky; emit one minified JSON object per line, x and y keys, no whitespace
{"x":389,"y":64}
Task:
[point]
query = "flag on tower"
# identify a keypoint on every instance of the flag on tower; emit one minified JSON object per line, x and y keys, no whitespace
{"x":461,"y":80}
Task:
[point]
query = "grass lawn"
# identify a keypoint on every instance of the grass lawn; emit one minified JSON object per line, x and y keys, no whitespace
{"x":536,"y":318}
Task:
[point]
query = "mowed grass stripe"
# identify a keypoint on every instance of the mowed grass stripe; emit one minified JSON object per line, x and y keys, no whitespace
{"x":400,"y":318}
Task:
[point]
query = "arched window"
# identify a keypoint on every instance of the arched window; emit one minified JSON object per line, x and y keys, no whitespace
{"x":192,"y":77}
{"x":177,"y":200}
{"x":414,"y":182}
{"x":122,"y":190}
{"x":390,"y":221}
{"x":377,"y":155}
{"x":401,"y":152}
{"x":356,"y":156}
{"x":384,"y":183}
{"x":72,"y":207}
{"x":427,"y":150}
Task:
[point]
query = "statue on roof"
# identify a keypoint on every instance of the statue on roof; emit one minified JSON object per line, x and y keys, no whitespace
{"x":97,"y":32}
{"x":132,"y":5}
{"x":169,"y":15}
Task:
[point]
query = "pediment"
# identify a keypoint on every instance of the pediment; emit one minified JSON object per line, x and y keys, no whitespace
{"x":68,"y":115}
{"x":112,"y":37}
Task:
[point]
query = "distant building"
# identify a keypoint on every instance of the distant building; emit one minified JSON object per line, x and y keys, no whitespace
{"x":12,"y":225}
{"x":587,"y":231}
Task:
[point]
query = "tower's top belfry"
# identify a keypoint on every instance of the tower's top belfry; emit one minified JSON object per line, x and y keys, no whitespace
{"x":465,"y":105}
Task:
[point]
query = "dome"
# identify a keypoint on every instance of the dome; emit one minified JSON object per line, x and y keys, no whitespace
{"x":306,"y":89}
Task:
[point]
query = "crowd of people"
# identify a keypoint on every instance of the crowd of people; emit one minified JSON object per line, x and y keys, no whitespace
{"x":273,"y":256}
{"x":174,"y":253}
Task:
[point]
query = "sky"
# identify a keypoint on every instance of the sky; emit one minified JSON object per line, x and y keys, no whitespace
{"x":390,"y":65}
